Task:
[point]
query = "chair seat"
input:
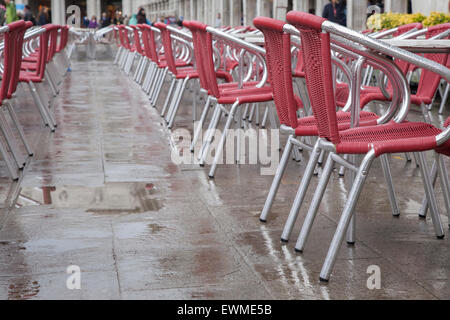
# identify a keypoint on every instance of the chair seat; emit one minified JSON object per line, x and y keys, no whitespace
{"x":390,"y":138}
{"x":372,"y":94}
{"x":307,"y":126}
{"x":29,"y":66}
{"x":246,"y":95}
{"x":178,"y":63}
{"x":234,"y":85}
{"x":187,"y":72}
{"x":25,"y":76}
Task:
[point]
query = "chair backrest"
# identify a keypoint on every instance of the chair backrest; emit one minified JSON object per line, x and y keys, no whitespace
{"x":406,"y":27}
{"x":318,"y":71}
{"x":63,"y":38}
{"x":146,"y":39}
{"x":279,"y":63}
{"x":137,"y":38}
{"x":167,"y":44}
{"x":194,"y":27}
{"x":43,"y":51}
{"x":205,"y":40}
{"x":9,"y":58}
{"x":121,"y":31}
{"x":429,"y":81}
{"x":18,"y":58}
{"x":53,"y":40}
{"x":403,"y":65}
{"x":125,"y":39}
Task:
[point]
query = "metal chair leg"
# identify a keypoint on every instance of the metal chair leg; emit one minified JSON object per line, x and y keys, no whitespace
{"x":351,"y":230}
{"x":429,"y":191}
{"x":169,"y":94}
{"x":178,"y":85}
{"x":19,"y":127}
{"x":10,"y":164}
{"x":301,"y":192}
{"x":346,"y":216}
{"x":424,"y":207}
{"x":389,"y":184}
{"x":42,"y":94}
{"x":158,"y":90}
{"x":116,"y":59}
{"x":177,"y":103}
{"x":221,"y":144}
{"x":277,"y":179}
{"x":40,"y":106}
{"x":210,"y":134}
{"x":313,"y":208}
{"x":443,"y":178}
{"x":10,"y":140}
{"x":444,"y":98}
{"x":199,"y":128}
{"x":264,"y":119}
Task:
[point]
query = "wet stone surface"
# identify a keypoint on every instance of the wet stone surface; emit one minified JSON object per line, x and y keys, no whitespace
{"x":102,"y":193}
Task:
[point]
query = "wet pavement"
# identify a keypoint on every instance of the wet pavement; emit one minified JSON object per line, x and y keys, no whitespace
{"x":102,"y":193}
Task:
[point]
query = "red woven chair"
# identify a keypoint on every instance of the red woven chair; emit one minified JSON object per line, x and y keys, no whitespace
{"x":180,"y":73}
{"x":61,"y":55}
{"x":13,"y":35}
{"x":224,"y":94}
{"x":179,"y":69}
{"x":370,"y":141}
{"x":34,"y":78}
{"x":428,"y":83}
{"x":141,"y":38}
{"x":278,"y":56}
{"x":31,"y":63}
{"x":199,"y":42}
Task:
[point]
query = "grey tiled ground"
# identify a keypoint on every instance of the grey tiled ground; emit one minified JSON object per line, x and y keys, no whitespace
{"x":141,"y":227}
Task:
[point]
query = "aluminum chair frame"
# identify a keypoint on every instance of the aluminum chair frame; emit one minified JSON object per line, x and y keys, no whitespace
{"x":358,"y":42}
{"x":316,"y":152}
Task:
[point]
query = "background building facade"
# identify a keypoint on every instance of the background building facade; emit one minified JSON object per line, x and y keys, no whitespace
{"x":233,"y":12}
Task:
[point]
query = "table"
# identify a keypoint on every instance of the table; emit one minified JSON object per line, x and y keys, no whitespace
{"x":421,"y":45}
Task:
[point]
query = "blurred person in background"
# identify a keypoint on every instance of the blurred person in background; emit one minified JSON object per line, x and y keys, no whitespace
{"x":93,"y":23}
{"x":141,"y":17}
{"x":335,"y":11}
{"x":11,"y":14}
{"x":133,"y":20}
{"x":29,"y":15}
{"x":43,"y":16}
{"x":2,"y":13}
{"x":218,"y":21}
{"x":106,"y":21}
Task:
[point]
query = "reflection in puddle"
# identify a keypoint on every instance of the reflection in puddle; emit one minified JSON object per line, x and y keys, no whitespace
{"x":111,"y":198}
{"x":23,"y":289}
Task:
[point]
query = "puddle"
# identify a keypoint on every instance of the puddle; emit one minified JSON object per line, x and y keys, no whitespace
{"x":23,"y":289}
{"x":155,"y":228}
{"x":111,"y":198}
